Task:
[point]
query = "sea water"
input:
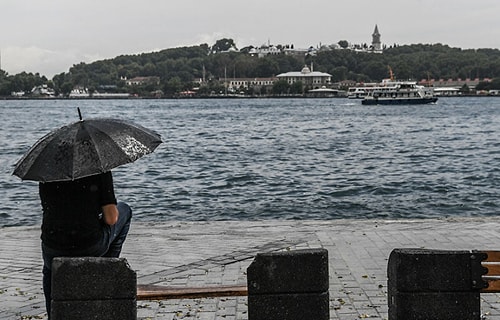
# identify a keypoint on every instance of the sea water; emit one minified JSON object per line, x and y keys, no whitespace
{"x":232,"y":159}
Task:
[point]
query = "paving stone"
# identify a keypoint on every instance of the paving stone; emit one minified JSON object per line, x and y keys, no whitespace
{"x":185,"y":253}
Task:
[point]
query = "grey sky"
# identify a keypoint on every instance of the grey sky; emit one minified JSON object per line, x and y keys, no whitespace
{"x":50,"y":36}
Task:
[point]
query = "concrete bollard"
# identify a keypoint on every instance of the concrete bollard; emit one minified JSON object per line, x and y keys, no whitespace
{"x":291,"y":285}
{"x":93,"y":288}
{"x":434,"y":284}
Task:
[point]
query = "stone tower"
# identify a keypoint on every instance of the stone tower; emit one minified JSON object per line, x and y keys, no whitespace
{"x":376,"y":44}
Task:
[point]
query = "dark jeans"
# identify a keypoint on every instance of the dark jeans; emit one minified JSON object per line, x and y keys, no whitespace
{"x":110,"y":246}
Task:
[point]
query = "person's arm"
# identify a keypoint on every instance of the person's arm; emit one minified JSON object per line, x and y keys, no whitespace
{"x":110,"y":214}
{"x":108,"y":199}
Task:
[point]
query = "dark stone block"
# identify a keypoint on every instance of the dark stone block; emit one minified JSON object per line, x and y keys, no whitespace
{"x":420,"y":270}
{"x":94,"y":310}
{"x":435,"y":306}
{"x":434,"y":284}
{"x":297,"y":271}
{"x":92,"y":278}
{"x":289,"y":306}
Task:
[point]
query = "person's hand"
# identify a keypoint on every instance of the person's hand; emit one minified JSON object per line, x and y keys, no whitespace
{"x":110,"y":214}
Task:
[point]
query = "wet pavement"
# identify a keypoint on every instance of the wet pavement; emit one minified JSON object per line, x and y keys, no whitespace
{"x":218,"y":253}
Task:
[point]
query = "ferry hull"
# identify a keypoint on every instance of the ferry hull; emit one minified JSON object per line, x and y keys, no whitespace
{"x":398,"y":101}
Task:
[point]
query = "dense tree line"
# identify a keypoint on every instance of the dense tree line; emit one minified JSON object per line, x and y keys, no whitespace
{"x":21,"y":82}
{"x":412,"y":62}
{"x":177,"y":68}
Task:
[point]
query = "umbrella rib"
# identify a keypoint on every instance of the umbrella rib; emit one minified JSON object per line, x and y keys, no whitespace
{"x":24,"y":165}
{"x":140,"y":149}
{"x":96,"y":150}
{"x":96,"y":146}
{"x":73,"y":173}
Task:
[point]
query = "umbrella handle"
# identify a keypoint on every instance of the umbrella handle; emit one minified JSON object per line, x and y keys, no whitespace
{"x":79,"y":113}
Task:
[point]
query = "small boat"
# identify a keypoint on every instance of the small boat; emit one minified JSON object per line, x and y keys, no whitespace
{"x":325,"y":92}
{"x":399,"y":92}
{"x":358,"y":92}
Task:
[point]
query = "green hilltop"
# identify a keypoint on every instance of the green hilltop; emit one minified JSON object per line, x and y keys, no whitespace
{"x":205,"y":67}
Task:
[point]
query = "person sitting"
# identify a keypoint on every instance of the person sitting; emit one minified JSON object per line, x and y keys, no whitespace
{"x":81,"y":218}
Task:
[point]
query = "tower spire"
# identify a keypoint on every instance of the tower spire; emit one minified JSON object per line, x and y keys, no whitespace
{"x":376,"y":44}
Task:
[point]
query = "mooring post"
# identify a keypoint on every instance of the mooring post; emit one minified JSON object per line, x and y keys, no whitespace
{"x":434,"y":284}
{"x":93,"y":288}
{"x":290,"y":285}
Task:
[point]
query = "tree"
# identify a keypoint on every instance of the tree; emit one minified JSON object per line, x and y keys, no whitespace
{"x":173,"y":85}
{"x":266,"y":67}
{"x":178,"y":67}
{"x":223,"y":45}
{"x":246,"y":50}
{"x":374,"y":69}
{"x":343,"y":44}
{"x":281,"y":87}
{"x":4,"y":83}
{"x":66,"y":88}
{"x":339,"y":73}
{"x":297,"y":88}
{"x":489,"y":85}
{"x":465,"y":89}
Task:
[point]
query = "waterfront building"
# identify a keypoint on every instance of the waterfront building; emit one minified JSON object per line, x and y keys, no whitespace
{"x":450,"y":86}
{"x":446,"y":91}
{"x":234,"y":85}
{"x":43,"y":91}
{"x":138,"y":81}
{"x":308,"y":77}
{"x":79,"y":92}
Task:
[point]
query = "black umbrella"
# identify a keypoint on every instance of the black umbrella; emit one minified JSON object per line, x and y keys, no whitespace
{"x":86,"y":148}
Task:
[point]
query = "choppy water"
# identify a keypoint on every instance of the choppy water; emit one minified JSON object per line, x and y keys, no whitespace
{"x":281,"y":158}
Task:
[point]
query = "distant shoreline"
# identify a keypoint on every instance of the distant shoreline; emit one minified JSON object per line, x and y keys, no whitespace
{"x":219,"y":97}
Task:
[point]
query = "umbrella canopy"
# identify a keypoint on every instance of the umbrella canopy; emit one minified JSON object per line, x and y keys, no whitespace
{"x":85,"y":148}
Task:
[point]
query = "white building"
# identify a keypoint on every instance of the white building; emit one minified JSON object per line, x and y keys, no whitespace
{"x":79,"y":92}
{"x":265,"y":50}
{"x":309,"y":78}
{"x":43,"y":91}
{"x":139,"y":81}
{"x":236,"y":84}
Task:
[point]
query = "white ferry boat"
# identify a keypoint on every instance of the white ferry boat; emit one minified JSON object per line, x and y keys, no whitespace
{"x":358,"y":92}
{"x":399,"y":92}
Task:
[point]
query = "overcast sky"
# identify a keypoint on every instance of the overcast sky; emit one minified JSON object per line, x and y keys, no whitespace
{"x":50,"y":36}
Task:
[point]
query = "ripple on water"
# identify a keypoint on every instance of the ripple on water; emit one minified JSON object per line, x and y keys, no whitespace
{"x":281,"y":159}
